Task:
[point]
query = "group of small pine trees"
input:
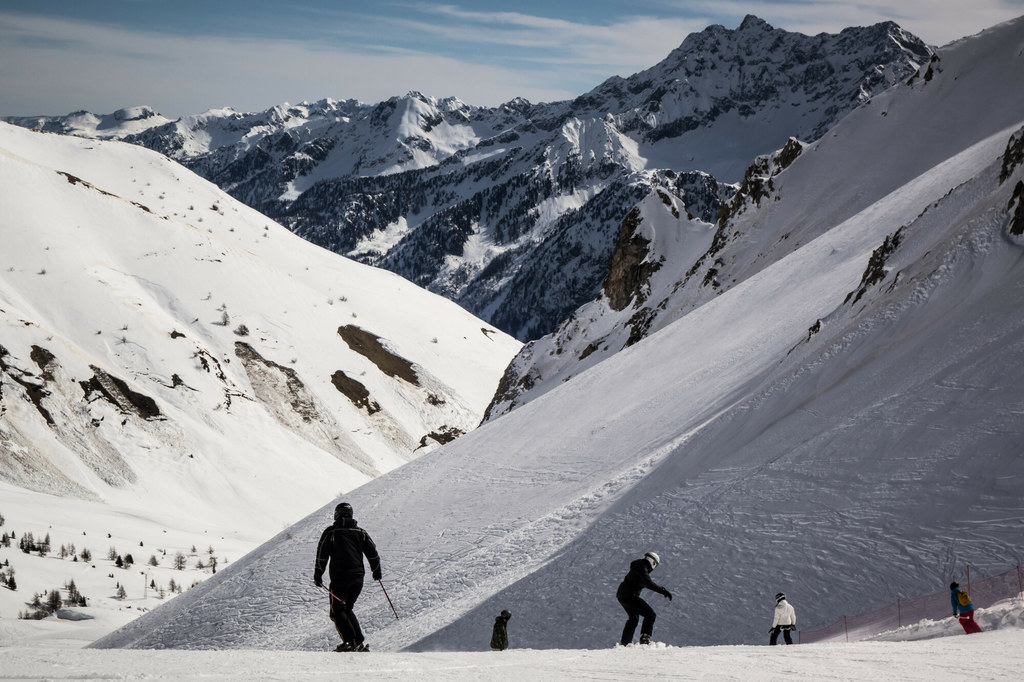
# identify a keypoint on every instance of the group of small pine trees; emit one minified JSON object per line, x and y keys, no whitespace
{"x":7,"y":576}
{"x":44,"y":603}
{"x":7,"y":572}
{"x":29,"y":545}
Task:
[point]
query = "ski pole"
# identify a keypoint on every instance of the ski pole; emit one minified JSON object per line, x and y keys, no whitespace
{"x":328,"y":591}
{"x":388,"y":598}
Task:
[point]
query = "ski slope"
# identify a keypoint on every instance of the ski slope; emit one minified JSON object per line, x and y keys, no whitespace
{"x":843,"y":433}
{"x":995,"y":654}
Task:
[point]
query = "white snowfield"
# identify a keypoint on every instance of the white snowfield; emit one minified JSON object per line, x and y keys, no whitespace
{"x":941,"y":654}
{"x":116,"y":262}
{"x":788,"y":435}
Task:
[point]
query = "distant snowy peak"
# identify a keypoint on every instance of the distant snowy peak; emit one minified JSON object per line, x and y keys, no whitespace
{"x":930,"y":117}
{"x":805,"y":82}
{"x":121,"y":123}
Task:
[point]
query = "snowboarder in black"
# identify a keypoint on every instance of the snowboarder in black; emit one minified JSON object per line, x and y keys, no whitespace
{"x":628,"y":594}
{"x":344,"y":544}
{"x":499,"y":635}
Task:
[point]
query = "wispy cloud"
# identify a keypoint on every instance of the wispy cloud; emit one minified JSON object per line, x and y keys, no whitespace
{"x":47,"y":64}
{"x":371,"y":51}
{"x":934,"y":21}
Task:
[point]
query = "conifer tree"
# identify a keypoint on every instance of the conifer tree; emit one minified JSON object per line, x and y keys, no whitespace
{"x":74,"y":596}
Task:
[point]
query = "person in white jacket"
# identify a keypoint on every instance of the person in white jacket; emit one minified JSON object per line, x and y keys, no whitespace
{"x":785,"y":620}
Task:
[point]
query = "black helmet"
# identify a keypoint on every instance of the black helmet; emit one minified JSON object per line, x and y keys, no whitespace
{"x":506,"y":614}
{"x":954,"y":585}
{"x":779,"y":597}
{"x":343,"y":511}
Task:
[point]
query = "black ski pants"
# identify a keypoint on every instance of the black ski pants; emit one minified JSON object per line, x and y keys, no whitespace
{"x":635,"y":608}
{"x":343,"y":597}
{"x":785,"y":635}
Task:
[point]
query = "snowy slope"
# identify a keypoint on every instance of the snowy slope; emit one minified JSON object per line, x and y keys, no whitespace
{"x":842,"y":425}
{"x":169,"y":353}
{"x":995,"y":654}
{"x":964,"y":95}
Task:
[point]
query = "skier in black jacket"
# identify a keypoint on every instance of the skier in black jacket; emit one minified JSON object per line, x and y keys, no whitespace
{"x":628,"y":594}
{"x":344,"y":544}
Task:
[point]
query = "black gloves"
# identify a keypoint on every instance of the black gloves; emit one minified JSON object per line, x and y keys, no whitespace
{"x":317,"y":581}
{"x":668,"y":594}
{"x":376,"y":575}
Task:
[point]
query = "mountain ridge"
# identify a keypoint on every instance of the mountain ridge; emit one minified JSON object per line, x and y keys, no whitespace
{"x":473,"y":203}
{"x":144,"y":333}
{"x":845,"y":416}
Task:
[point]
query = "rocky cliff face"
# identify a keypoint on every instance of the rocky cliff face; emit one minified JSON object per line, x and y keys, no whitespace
{"x":515,"y":211}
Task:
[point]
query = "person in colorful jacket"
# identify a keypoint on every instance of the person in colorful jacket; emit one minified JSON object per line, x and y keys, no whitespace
{"x":964,"y":611}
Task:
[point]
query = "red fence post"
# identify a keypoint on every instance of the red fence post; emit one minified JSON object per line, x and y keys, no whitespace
{"x":899,"y":615}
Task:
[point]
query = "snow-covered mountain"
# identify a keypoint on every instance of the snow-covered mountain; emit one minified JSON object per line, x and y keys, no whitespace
{"x":668,"y":262}
{"x":841,"y":423}
{"x":514,"y":211}
{"x":120,"y":124}
{"x":166,"y":349}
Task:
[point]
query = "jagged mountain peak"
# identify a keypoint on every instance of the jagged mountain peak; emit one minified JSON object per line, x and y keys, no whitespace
{"x":754,"y":23}
{"x":477,"y":203}
{"x":765,"y":220}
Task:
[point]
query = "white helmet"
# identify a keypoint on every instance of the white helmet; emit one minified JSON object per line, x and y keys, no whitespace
{"x":653,"y":559}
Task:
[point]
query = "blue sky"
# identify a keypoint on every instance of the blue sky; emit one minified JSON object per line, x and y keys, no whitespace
{"x":187,"y":56}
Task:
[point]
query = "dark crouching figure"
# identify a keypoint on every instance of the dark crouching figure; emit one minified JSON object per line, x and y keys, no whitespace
{"x":784,"y":620}
{"x":499,"y":635}
{"x":628,"y":594}
{"x":344,"y":544}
